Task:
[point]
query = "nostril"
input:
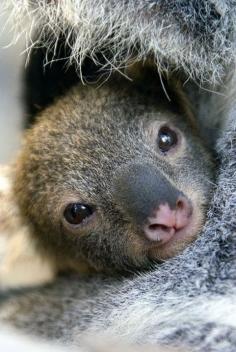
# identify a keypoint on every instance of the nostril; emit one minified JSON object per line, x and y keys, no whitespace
{"x":184,"y":206}
{"x":158,"y":232}
{"x":184,"y":211}
{"x":180,"y":204}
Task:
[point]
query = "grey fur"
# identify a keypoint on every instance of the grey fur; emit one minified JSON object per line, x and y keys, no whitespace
{"x":107,"y":156}
{"x":189,"y":301}
{"x":11,"y":341}
{"x":196,"y":36}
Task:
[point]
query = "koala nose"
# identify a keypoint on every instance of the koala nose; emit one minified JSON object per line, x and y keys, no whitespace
{"x":165,"y":222}
{"x":150,"y":200}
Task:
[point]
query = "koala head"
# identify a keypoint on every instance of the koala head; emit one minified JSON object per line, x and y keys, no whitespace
{"x":116,"y":177}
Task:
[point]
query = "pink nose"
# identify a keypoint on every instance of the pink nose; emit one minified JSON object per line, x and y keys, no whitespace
{"x":165,"y":222}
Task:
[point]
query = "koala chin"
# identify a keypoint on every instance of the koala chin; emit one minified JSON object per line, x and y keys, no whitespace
{"x":112,"y":179}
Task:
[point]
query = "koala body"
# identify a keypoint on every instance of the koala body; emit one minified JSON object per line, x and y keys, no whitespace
{"x":114,"y":178}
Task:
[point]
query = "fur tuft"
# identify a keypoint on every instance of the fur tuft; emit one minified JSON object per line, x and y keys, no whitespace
{"x":198,"y":38}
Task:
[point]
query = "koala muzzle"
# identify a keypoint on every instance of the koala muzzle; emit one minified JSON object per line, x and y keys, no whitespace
{"x":150,"y":201}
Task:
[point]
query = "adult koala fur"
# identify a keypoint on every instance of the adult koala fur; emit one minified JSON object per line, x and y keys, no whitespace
{"x":84,"y":39}
{"x":190,"y":300}
{"x":197,"y":36}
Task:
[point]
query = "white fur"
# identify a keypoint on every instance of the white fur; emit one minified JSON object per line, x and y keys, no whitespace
{"x":143,"y":316}
{"x":92,"y":26}
{"x":10,"y":341}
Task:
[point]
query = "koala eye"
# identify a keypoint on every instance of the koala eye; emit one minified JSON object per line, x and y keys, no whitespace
{"x":77,"y":213}
{"x":167,"y":139}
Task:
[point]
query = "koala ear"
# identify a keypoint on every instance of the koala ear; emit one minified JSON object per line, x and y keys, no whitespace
{"x":20,"y":263}
{"x":43,"y":83}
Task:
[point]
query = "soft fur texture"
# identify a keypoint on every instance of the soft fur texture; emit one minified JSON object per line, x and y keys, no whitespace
{"x":11,"y":341}
{"x":20,"y":263}
{"x":99,"y":147}
{"x":196,"y":36}
{"x":107,"y":156}
{"x":190,"y":301}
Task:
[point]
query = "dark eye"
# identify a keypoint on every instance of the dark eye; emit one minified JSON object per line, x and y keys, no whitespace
{"x":77,"y":213}
{"x":167,"y":139}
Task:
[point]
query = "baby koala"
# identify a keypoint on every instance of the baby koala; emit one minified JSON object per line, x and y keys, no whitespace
{"x":111,"y":179}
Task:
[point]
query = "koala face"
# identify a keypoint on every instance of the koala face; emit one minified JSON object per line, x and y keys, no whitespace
{"x":113,"y":177}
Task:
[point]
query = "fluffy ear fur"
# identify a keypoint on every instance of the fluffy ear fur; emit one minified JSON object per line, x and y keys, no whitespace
{"x":198,"y":37}
{"x":20,"y":263}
